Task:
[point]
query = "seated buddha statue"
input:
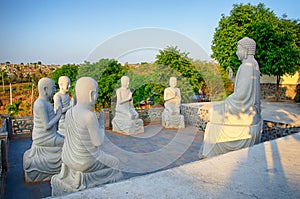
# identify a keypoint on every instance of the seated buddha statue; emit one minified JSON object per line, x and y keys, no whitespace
{"x":236,"y":123}
{"x":63,"y":100}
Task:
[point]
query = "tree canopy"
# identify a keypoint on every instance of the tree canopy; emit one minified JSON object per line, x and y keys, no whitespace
{"x":107,"y":72}
{"x":150,"y":80}
{"x":69,"y":70}
{"x":179,"y":61}
{"x":277,"y":39}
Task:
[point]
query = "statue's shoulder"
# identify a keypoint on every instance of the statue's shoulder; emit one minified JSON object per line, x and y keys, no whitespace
{"x":89,"y":116}
{"x":41,"y":104}
{"x":250,"y":62}
{"x":57,"y":95}
{"x":168,"y":89}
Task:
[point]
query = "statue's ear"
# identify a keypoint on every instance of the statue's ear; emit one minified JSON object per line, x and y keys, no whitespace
{"x":91,"y":96}
{"x":45,"y":90}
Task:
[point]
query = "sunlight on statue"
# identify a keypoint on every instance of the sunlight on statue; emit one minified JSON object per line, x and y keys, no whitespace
{"x":126,"y":120}
{"x":171,"y":117}
{"x":236,"y":123}
{"x":63,"y":100}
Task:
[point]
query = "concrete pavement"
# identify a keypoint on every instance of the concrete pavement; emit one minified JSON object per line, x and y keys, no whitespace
{"x":267,"y":170}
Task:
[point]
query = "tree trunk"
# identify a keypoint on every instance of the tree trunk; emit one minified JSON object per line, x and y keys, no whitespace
{"x":277,"y":88}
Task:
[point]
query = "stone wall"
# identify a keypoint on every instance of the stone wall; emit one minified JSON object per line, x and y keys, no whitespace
{"x":286,"y":91}
{"x":196,"y":114}
{"x":151,"y":115}
{"x":274,"y":130}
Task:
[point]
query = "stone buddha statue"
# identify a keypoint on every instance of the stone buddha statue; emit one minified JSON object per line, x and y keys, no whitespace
{"x":237,"y":121}
{"x":63,"y":100}
{"x":84,"y":164}
{"x":171,"y":117}
{"x":43,"y":159}
{"x":126,"y":120}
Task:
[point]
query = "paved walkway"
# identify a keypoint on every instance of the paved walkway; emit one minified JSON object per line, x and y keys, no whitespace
{"x":266,"y":170}
{"x":155,"y":150}
{"x":15,"y":187}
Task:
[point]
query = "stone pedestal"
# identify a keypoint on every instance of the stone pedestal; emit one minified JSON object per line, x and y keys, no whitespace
{"x":220,"y":139}
{"x":172,"y":121}
{"x":127,"y":127}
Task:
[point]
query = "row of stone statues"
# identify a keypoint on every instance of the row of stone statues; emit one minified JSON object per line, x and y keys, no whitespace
{"x":66,"y":139}
{"x":74,"y":160}
{"x":126,"y":120}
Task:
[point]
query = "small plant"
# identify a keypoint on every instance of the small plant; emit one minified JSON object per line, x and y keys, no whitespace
{"x":14,"y":108}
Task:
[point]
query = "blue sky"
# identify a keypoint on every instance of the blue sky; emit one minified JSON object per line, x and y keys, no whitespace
{"x":67,"y":31}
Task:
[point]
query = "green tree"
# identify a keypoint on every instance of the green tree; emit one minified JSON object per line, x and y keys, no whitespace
{"x":277,"y":39}
{"x":107,"y":72}
{"x":281,"y":55}
{"x":151,"y":80}
{"x":217,"y":86}
{"x":179,"y":61}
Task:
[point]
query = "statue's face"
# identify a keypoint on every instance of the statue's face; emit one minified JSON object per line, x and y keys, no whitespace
{"x":241,"y":52}
{"x":125,"y":82}
{"x":50,"y":90}
{"x":64,"y":86}
{"x":173,"y":82}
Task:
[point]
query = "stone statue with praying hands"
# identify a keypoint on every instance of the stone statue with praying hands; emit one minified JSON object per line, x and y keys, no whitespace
{"x":63,"y":100}
{"x":84,"y":164}
{"x":43,"y":159}
{"x":171,"y":117}
{"x":126,"y":120}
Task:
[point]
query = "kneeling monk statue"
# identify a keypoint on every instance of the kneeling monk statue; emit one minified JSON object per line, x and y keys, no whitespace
{"x":43,"y":159}
{"x":84,"y":164}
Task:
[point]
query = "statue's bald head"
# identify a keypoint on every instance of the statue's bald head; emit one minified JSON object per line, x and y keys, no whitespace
{"x":83,"y":88}
{"x":62,"y":79}
{"x":125,"y":81}
{"x":44,"y":83}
